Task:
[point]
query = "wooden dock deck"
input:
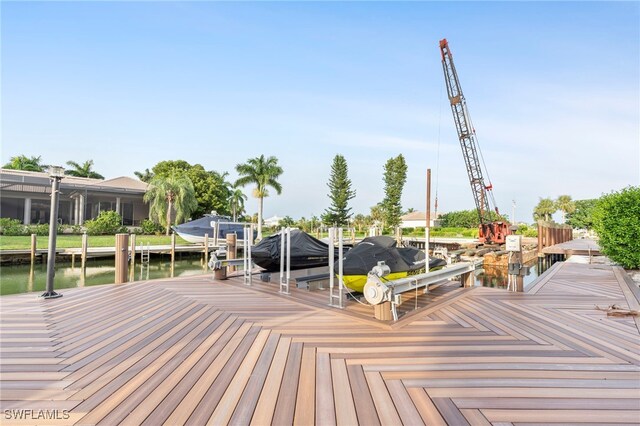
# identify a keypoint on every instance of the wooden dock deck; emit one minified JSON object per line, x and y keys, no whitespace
{"x":195,"y":351}
{"x":582,"y":246}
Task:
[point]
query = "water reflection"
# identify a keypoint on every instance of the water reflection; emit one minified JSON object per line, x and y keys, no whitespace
{"x":497,"y":276}
{"x":32,"y":277}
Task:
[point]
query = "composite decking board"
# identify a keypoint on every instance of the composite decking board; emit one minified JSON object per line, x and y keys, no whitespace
{"x":239,"y":378}
{"x":216,"y":391}
{"x":164,"y":399}
{"x":306,"y":398}
{"x":342,"y":394}
{"x":139,"y":391}
{"x":588,"y":338}
{"x":266,"y":402}
{"x":325,"y":405}
{"x":628,"y":347}
{"x":425,"y":406}
{"x":549,"y":403}
{"x":286,"y":404}
{"x":188,"y":350}
{"x":184,"y":398}
{"x":382,"y":400}
{"x":450,"y":412}
{"x":475,"y":417}
{"x":115,"y":386}
{"x":403,"y":403}
{"x":363,"y":400}
{"x":569,"y":333}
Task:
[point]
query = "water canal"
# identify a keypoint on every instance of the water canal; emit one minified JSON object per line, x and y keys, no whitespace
{"x":16,"y":279}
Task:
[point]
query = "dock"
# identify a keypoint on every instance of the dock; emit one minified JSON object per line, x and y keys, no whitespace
{"x":193,"y":350}
{"x":581,"y":247}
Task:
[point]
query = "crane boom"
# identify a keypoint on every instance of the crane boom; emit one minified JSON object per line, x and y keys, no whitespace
{"x":489,"y":231}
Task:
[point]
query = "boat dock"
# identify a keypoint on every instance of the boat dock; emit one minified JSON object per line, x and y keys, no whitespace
{"x":194,"y":350}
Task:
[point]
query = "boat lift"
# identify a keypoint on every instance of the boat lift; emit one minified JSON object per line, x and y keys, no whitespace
{"x":216,"y":264}
{"x":378,"y":290}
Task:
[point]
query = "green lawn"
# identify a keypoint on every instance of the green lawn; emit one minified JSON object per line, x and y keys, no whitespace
{"x":75,"y":241}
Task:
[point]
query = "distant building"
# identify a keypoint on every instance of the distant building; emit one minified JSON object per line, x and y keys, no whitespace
{"x":272,"y":221}
{"x":26,"y":196}
{"x":418,"y":220}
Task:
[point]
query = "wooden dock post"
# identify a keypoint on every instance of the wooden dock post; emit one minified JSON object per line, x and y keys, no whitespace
{"x":85,"y":246}
{"x":34,"y":245}
{"x":122,"y":261}
{"x":467,"y":280}
{"x":382,"y":311}
{"x":231,"y":250}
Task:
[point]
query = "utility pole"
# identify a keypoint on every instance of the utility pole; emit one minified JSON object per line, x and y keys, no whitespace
{"x":56,"y":174}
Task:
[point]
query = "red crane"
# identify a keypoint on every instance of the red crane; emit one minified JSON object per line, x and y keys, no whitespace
{"x":489,"y":231}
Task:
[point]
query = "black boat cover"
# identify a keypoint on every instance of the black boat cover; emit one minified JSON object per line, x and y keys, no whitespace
{"x":306,"y":252}
{"x":366,"y":254}
{"x":202,"y":226}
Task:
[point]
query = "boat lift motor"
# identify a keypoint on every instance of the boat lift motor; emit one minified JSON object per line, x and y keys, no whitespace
{"x":378,"y":290}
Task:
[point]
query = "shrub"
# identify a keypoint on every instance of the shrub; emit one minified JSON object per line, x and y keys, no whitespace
{"x":149,"y":227}
{"x":527,"y":231}
{"x":616,"y":220}
{"x":107,"y":223}
{"x":12,"y":227}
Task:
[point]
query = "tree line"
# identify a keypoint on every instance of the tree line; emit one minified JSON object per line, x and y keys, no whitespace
{"x":179,"y":190}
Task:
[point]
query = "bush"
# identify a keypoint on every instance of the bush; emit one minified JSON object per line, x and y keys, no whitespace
{"x":149,"y":227}
{"x":12,"y":227}
{"x":107,"y":223}
{"x":527,"y":231}
{"x":616,"y":220}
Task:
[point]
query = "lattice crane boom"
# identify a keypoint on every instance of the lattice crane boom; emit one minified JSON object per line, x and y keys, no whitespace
{"x":490,"y":232}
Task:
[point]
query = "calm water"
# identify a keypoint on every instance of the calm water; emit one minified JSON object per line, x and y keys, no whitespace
{"x":23,"y":279}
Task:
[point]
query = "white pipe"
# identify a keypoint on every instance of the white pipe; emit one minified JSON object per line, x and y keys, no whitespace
{"x":288,"y":257}
{"x":331,"y":269}
{"x":340,"y":270}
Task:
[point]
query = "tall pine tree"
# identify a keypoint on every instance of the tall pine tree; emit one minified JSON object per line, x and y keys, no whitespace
{"x":395,"y":176}
{"x":340,"y":193}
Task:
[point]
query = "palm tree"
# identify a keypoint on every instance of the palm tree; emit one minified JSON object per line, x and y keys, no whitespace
{"x":545,"y":208}
{"x":167,"y":194}
{"x":145,"y":176}
{"x":565,"y":204}
{"x":22,"y":162}
{"x":263,"y":172}
{"x":236,"y":203}
{"x":83,"y":170}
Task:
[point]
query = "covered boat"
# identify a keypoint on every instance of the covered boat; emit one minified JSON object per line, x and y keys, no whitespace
{"x":306,"y":252}
{"x":195,"y":230}
{"x":402,"y":261}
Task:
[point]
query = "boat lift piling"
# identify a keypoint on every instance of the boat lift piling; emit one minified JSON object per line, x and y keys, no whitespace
{"x":285,"y":233}
{"x":332,"y":291}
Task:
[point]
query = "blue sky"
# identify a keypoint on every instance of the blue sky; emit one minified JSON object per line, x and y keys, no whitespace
{"x":552,"y":88}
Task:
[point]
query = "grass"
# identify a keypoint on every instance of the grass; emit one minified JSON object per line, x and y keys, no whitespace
{"x":75,"y":241}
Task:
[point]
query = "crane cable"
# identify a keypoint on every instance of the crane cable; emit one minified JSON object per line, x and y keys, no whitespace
{"x":484,"y":165}
{"x":438,"y":156}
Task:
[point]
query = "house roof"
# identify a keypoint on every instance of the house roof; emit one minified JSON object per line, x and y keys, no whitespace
{"x":22,"y":180}
{"x":417,"y":216}
{"x":124,"y":182}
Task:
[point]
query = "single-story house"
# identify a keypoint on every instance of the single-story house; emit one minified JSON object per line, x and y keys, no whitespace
{"x":26,"y":196}
{"x":418,"y":220}
{"x":272,"y":221}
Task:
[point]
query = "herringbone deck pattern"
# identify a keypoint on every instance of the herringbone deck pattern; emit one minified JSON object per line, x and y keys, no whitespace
{"x":194,"y":351}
